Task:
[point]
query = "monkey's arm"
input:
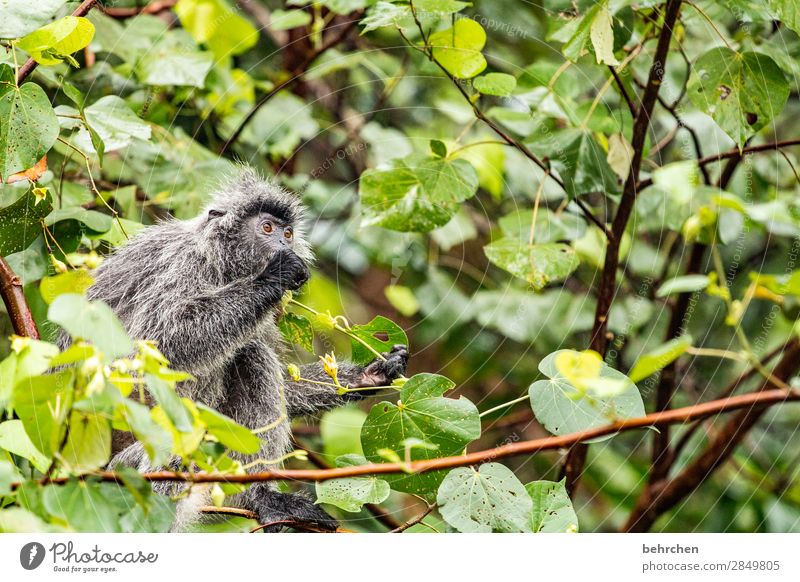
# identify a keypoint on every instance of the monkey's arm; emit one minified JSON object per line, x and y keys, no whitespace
{"x":307,"y":397}
{"x":200,"y":332}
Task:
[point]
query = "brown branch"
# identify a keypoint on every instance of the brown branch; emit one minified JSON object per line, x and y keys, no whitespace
{"x":294,"y":76}
{"x":608,"y":278}
{"x":235,"y":511}
{"x":752,"y":401}
{"x":29,"y":65}
{"x":734,"y":154}
{"x":152,"y":8}
{"x":623,"y":91}
{"x":16,"y":304}
{"x":655,"y":501}
{"x":415,"y":520}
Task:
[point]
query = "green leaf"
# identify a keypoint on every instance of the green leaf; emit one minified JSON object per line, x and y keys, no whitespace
{"x":169,"y":400}
{"x":663,"y":355}
{"x":297,"y":330}
{"x":88,"y":444}
{"x":115,"y":124}
{"x":683,"y":284}
{"x":28,"y":127}
{"x":384,"y":14}
{"x":93,"y":321}
{"x":340,"y":431}
{"x":483,"y":501}
{"x":580,"y":162}
{"x":53,"y":43}
{"x":156,"y":439}
{"x":228,"y":432}
{"x":77,"y":281}
{"x":20,"y":223}
{"x":538,"y":264}
{"x":458,"y":49}
{"x":562,"y":408}
{"x":550,"y":227}
{"x":14,"y":439}
{"x":175,"y":61}
{"x":552,"y":509}
{"x":92,"y":219}
{"x":10,"y":474}
{"x":402,"y":299}
{"x":372,"y":334}
{"x":352,"y":493}
{"x":84,"y":505}
{"x":499,"y":84}
{"x":21,"y":17}
{"x":289,"y":19}
{"x":438,"y":148}
{"x":416,"y":194}
{"x":216,"y":24}
{"x":743,"y":92}
{"x":42,"y":404}
{"x":787,"y":12}
{"x":421,"y":413}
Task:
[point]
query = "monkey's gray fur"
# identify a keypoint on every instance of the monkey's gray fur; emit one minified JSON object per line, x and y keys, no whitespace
{"x":208,"y":292}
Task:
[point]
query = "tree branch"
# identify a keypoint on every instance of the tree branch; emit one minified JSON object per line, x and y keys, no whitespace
{"x":752,"y":401}
{"x":29,"y":65}
{"x":16,"y":304}
{"x":574,"y":463}
{"x":152,"y":8}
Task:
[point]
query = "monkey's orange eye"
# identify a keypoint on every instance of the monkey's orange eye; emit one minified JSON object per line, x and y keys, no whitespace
{"x":267,"y":227}
{"x":287,"y":233}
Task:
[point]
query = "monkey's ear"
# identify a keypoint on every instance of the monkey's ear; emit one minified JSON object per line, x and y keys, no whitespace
{"x":212,"y":214}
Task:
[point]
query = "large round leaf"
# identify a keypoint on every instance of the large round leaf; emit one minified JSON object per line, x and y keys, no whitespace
{"x":562,"y":408}
{"x":28,"y":127}
{"x":489,"y":499}
{"x":422,"y":414}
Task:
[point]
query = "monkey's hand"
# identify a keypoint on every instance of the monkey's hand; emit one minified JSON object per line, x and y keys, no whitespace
{"x":382,"y":372}
{"x":287,"y":270}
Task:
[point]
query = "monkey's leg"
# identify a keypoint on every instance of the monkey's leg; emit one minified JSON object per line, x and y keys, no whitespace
{"x":307,"y":398}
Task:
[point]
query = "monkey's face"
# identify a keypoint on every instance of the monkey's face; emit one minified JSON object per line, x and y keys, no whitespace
{"x":272,"y":234}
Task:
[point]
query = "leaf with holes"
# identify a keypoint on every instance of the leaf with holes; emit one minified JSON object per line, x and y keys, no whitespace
{"x":552,"y":509}
{"x":490,"y":499}
{"x":297,"y":330}
{"x":743,"y":92}
{"x":28,"y":126}
{"x":538,"y":264}
{"x":352,"y":493}
{"x":20,"y":223}
{"x":423,"y":413}
{"x":380,"y":334}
